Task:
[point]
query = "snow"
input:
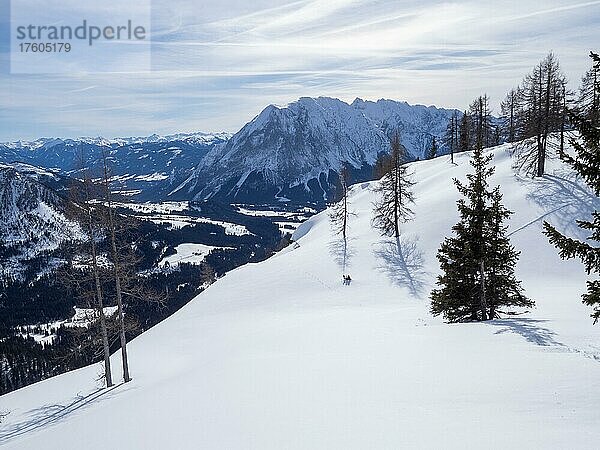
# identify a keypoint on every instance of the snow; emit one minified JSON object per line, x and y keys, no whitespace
{"x":187,"y":253}
{"x":45,"y":333}
{"x":280,"y":354}
{"x":30,"y":209}
{"x":31,"y":170}
{"x":109,"y":142}
{"x":149,"y":207}
{"x":152,"y":177}
{"x":264,"y":213}
{"x":290,"y":220}
{"x":176,"y":221}
{"x":163,"y":213}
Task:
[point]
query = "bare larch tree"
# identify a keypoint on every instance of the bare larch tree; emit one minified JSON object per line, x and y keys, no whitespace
{"x":394,"y":189}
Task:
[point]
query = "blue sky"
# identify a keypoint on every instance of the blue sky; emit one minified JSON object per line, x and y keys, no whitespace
{"x":216,"y":64}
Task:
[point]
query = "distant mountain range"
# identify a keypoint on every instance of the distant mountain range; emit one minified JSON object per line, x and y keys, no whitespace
{"x":291,"y":153}
{"x":145,"y":168}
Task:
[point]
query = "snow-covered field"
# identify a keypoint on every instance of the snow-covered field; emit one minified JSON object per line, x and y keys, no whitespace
{"x":176,"y":221}
{"x":157,"y":208}
{"x":281,"y":355}
{"x":45,"y":333}
{"x":165,"y":213}
{"x":187,"y":253}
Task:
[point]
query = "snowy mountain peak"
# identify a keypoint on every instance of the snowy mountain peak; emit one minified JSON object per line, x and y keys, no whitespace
{"x":294,"y":151}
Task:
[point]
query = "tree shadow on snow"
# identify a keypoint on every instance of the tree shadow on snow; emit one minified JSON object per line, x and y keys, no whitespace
{"x":50,"y":414}
{"x":563,"y":199}
{"x":530,"y":329}
{"x":342,"y":253}
{"x":402,"y":261}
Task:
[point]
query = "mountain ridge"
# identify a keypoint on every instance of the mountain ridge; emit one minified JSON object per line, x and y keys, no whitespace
{"x":295,"y":152}
{"x":285,"y":153}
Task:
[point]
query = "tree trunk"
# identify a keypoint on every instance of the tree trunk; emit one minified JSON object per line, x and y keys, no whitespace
{"x":117,"y":272}
{"x":595,"y":98}
{"x":396,"y":201}
{"x":542,"y":154}
{"x":100,"y":306}
{"x":482,"y":298}
{"x":99,"y":297}
{"x":563,"y":119}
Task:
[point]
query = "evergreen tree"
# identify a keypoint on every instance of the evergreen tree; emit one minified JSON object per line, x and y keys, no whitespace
{"x":510,"y":114}
{"x":395,"y":193}
{"x":503,"y":288}
{"x":587,"y":163}
{"x":207,"y":274}
{"x":496,"y":136}
{"x":432,"y":153}
{"x":588,"y":102}
{"x":464,"y":130}
{"x":478,"y":262}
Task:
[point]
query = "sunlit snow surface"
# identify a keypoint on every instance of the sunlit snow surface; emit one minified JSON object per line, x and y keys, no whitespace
{"x":281,"y":355}
{"x":187,"y":253}
{"x":45,"y":333}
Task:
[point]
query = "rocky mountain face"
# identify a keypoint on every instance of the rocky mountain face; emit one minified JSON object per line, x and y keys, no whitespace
{"x":292,"y":153}
{"x":35,"y":218}
{"x":295,"y":152}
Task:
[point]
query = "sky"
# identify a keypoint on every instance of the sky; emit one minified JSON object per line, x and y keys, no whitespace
{"x":215,"y":65}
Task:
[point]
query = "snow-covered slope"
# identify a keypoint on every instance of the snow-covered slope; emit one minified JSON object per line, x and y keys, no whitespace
{"x":295,"y":151}
{"x":281,"y":355}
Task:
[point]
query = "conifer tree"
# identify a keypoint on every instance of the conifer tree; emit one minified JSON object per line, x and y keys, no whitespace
{"x":451,"y":135}
{"x":382,"y":165}
{"x":480,"y":125}
{"x":478,"y":262}
{"x":395,"y":193}
{"x":510,"y":114}
{"x":87,"y":278}
{"x":586,"y":162}
{"x":432,"y":153}
{"x":207,"y":274}
{"x":464,"y":130}
{"x":340,"y":213}
{"x":541,"y":102}
{"x":588,"y":102}
{"x":99,"y":296}
{"x":502,"y":286}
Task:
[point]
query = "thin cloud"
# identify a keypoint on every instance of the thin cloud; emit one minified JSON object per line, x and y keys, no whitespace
{"x":216,"y":64}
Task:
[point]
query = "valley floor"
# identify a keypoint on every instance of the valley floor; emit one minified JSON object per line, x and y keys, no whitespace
{"x":281,"y":355}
